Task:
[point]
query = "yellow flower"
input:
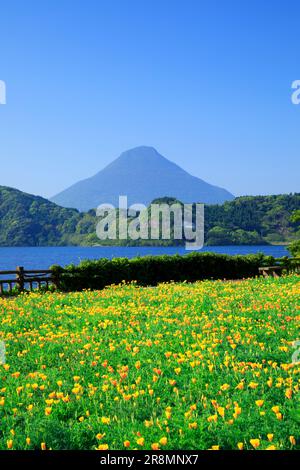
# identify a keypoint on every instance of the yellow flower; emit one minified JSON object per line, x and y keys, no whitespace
{"x":213,"y":418}
{"x":289,"y":393}
{"x":240,"y":445}
{"x":270,"y":382}
{"x":105,"y":420}
{"x":48,"y":410}
{"x":237,"y":411}
{"x":9,"y":443}
{"x":148,"y":423}
{"x":275,"y":409}
{"x":155,"y":446}
{"x":100,"y":436}
{"x":270,"y":437}
{"x":163,"y":441}
{"x":221,"y":411}
{"x":140,"y":441}
{"x":59,"y":383}
{"x":193,"y":425}
{"x":272,"y":447}
{"x":102,"y":447}
{"x":255,"y":443}
{"x":259,"y":402}
{"x":43,"y":445}
{"x":292,"y":440}
{"x":215,"y":447}
{"x":225,"y":387}
{"x":253,"y":385}
{"x":16,"y":375}
{"x":126,"y":443}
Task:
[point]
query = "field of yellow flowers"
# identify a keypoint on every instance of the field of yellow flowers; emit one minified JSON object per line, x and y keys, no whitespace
{"x":181,"y":366}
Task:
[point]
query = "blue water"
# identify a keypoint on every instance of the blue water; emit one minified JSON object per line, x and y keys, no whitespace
{"x":44,"y":257}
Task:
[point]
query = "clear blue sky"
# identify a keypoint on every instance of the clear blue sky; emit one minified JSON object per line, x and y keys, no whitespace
{"x":208,"y":83}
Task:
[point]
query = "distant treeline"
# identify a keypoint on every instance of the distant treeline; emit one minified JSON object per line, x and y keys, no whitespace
{"x":27,"y":220}
{"x":253,"y":220}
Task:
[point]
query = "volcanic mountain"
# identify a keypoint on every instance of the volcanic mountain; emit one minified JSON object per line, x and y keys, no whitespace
{"x":141,"y":174}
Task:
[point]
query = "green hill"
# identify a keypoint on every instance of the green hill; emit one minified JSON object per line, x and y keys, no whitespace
{"x":253,"y":217}
{"x":27,"y":220}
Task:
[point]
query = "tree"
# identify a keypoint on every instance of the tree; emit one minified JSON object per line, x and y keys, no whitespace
{"x":295,"y":216}
{"x":294,"y":247}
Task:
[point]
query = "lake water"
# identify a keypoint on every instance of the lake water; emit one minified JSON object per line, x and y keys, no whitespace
{"x":44,"y":257}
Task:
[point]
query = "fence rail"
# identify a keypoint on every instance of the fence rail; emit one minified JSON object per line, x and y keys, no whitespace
{"x":282,"y":265}
{"x":37,"y":278}
{"x":26,"y":279}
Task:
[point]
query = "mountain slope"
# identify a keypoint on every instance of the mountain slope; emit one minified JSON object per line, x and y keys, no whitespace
{"x":142,"y":174}
{"x":27,"y":220}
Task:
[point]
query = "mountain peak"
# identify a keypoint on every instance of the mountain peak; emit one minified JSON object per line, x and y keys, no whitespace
{"x":142,"y":174}
{"x":142,"y":152}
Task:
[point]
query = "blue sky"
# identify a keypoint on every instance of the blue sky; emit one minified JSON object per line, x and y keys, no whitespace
{"x":206,"y":83}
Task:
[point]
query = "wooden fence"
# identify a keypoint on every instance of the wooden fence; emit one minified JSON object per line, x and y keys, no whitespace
{"x":23,"y":279}
{"x":35,"y":279}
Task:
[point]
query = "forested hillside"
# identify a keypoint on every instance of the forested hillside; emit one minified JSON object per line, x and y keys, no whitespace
{"x":251,"y":219}
{"x":27,"y":220}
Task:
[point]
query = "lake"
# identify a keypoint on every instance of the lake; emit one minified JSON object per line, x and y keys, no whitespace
{"x":43,"y":257}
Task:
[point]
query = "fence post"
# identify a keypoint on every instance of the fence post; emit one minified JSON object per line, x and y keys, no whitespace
{"x":20,"y":277}
{"x":55,"y":277}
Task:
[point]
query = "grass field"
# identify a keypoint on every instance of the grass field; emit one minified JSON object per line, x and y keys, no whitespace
{"x":201,"y":366}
